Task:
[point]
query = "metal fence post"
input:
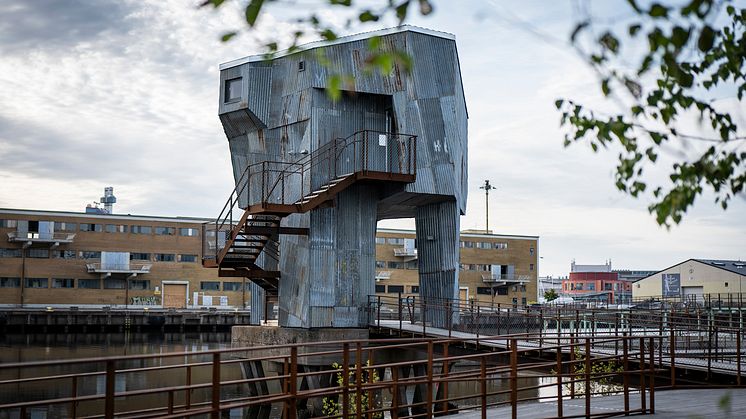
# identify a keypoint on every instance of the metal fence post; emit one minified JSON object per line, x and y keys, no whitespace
{"x":643,"y":404}
{"x":483,"y":385}
{"x":429,"y":379}
{"x":359,"y":380}
{"x":651,"y":381}
{"x":587,"y":378}
{"x":514,"y":378}
{"x":738,"y":357}
{"x":346,"y":380}
{"x":215,"y":405}
{"x":400,"y":314}
{"x":625,"y":376}
{"x":445,"y":377}
{"x":559,"y":378}
{"x":110,"y":381}
{"x":672,"y":351}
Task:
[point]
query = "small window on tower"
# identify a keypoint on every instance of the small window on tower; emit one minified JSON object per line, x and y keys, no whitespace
{"x":233,"y":90}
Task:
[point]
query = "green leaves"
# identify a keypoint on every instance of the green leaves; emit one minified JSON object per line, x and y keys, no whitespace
{"x":685,"y":53}
{"x":252,"y":11}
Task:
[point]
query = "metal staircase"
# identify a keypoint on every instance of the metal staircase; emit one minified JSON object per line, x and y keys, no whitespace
{"x":246,"y":245}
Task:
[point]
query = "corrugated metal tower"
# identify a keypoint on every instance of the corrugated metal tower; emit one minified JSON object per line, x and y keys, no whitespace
{"x":313,"y":176}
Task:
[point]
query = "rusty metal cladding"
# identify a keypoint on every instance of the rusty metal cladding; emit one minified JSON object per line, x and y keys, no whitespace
{"x":282,"y":113}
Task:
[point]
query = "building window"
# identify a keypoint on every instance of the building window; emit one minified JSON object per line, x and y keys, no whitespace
{"x":37,"y":283}
{"x":140,"y":229}
{"x":380,"y":264}
{"x":10,"y":253}
{"x":8,"y":223}
{"x":139,"y":256}
{"x":591,"y":287}
{"x":165,"y":231}
{"x":415,"y":289}
{"x":579,"y":286}
{"x":412,"y":265}
{"x":380,"y":289}
{"x":394,"y":240}
{"x":63,"y":283}
{"x":530,"y":266}
{"x":523,"y":301}
{"x":726,"y":285}
{"x":114,"y":284}
{"x":64,"y":254}
{"x":499,"y":245}
{"x":189,"y":232}
{"x":231,"y":286}
{"x":116,"y":228}
{"x":140,"y":284}
{"x":89,"y":254}
{"x":165,"y":257}
{"x":89,"y":283}
{"x":502,"y":290}
{"x":10,"y":282}
{"x":209,"y":286}
{"x":58,"y":226}
{"x":91,"y":227}
{"x":395,"y":289}
{"x":38,"y":253}
{"x":232,"y":90}
{"x":187,"y":258}
{"x":607,"y":286}
{"x":380,"y":240}
{"x":396,"y":265}
{"x":484,"y":291}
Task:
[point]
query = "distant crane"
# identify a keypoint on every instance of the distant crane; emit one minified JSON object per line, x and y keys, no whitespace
{"x":487,"y":188}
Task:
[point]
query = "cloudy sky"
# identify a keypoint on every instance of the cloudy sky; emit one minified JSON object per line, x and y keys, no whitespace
{"x":98,"y":93}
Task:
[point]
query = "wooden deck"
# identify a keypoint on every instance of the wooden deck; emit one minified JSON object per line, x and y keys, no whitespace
{"x":671,"y":404}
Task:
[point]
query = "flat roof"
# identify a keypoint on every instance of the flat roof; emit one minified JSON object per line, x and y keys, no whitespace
{"x":104,"y":216}
{"x":464,"y":234}
{"x":340,"y":40}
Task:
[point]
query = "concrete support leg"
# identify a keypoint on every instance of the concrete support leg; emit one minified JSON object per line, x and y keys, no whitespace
{"x":438,"y":254}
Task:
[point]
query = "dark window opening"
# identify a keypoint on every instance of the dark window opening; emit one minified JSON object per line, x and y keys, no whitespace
{"x":233,"y":90}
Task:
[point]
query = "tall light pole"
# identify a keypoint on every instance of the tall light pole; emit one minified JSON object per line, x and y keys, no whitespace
{"x":487,"y":188}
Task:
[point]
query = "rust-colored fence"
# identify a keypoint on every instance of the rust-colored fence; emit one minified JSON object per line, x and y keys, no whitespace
{"x":398,"y":378}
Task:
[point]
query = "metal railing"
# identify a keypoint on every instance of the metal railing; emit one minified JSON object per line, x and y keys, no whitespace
{"x":702,"y":340}
{"x":343,"y":379}
{"x":139,"y":267}
{"x":32,"y":235}
{"x":288,"y":183}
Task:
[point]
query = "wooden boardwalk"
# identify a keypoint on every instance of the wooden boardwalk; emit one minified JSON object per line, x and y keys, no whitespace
{"x":671,"y":404}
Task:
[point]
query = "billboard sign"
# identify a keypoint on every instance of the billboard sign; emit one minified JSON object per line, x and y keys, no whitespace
{"x":671,"y":285}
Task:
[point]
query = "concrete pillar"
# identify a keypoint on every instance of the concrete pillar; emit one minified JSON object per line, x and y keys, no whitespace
{"x":438,"y":255}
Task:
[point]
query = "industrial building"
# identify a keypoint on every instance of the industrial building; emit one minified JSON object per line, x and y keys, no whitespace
{"x":100,"y":259}
{"x":693,"y":279}
{"x":493,"y":268}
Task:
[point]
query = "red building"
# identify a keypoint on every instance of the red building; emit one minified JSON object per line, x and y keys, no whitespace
{"x":596,"y":282}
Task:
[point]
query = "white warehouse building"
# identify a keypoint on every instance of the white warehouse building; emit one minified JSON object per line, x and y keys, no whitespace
{"x":693,"y":279}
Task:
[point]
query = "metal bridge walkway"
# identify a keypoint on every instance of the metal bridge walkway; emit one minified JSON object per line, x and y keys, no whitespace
{"x":682,"y":359}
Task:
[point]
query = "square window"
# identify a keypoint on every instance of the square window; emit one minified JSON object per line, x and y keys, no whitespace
{"x":37,"y":283}
{"x":231,"y":286}
{"x":233,"y":90}
{"x":209,"y":286}
{"x":63,"y":283}
{"x":10,"y":282}
{"x":89,"y":283}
